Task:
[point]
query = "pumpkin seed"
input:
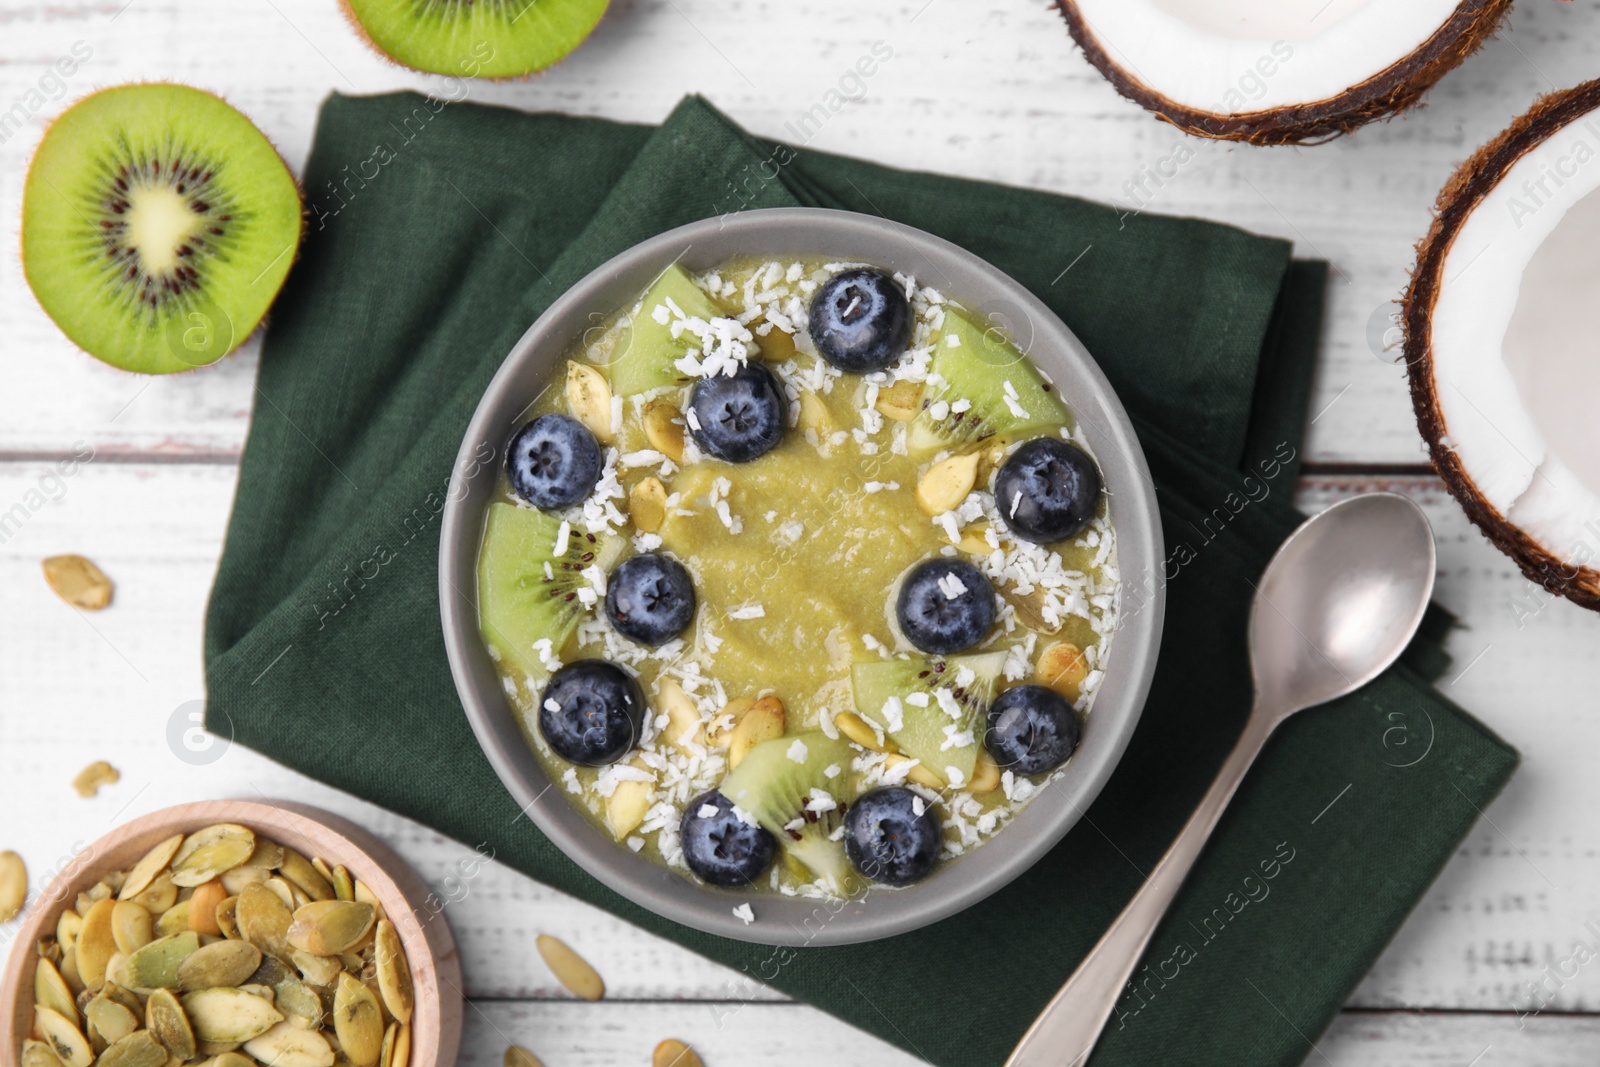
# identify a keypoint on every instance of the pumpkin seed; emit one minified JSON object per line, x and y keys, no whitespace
{"x":517,"y":1056}
{"x":221,"y":963}
{"x":386,"y":1057}
{"x":763,"y":722}
{"x":947,"y":483}
{"x":901,"y":401}
{"x":265,"y":992}
{"x":286,"y":1045}
{"x":235,"y":880}
{"x":674,"y":1053}
{"x":300,"y":1003}
{"x":226,"y":922}
{"x":299,"y":870}
{"x":209,"y":852}
{"x":13,"y":885}
{"x":67,"y":927}
{"x":975,"y":540}
{"x":720,"y":732}
{"x":320,"y":865}
{"x":122,"y":995}
{"x":570,"y":969}
{"x":130,"y":926}
{"x":166,"y":1019}
{"x":919,"y":772}
{"x":1030,"y":607}
{"x":663,"y":428}
{"x":203,"y":908}
{"x":1062,"y":667}
{"x":228,"y":1016}
{"x":231,"y":1059}
{"x":174,"y":920}
{"x":50,"y":990}
{"x":159,"y":896}
{"x":318,"y":970}
{"x":628,"y":802}
{"x":89,"y":897}
{"x":109,"y":1020}
{"x":69,"y":972}
{"x":78,"y":581}
{"x":358,"y":1022}
{"x":683,"y":717}
{"x":402,"y":1046}
{"x":38,"y":1054}
{"x":814,"y":413}
{"x":329,"y":927}
{"x":96,"y":945}
{"x":589,"y":400}
{"x":344,"y":886}
{"x":136,"y":1050}
{"x":394,"y":972}
{"x":647,"y":505}
{"x":63,"y":1037}
{"x":280,"y":888}
{"x":92,"y":777}
{"x":856,"y":729}
{"x":156,"y":965}
{"x":986,"y":775}
{"x":263,"y":920}
{"x":149,"y":866}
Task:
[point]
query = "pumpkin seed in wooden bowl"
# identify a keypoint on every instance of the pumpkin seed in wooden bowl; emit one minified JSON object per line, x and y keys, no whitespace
{"x":233,"y":934}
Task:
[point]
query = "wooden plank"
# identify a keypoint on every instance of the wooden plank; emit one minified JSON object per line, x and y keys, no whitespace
{"x":987,"y":93}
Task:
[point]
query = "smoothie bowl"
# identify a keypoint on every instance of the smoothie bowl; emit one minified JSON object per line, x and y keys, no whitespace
{"x":786,"y":567}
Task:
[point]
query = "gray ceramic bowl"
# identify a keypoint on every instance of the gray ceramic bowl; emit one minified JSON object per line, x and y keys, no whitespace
{"x":805,"y":232}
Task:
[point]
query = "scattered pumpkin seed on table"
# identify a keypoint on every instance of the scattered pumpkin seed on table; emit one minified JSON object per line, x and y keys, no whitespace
{"x":78,"y":581}
{"x":219,"y":946}
{"x":516,"y":1056}
{"x":571,"y":969}
{"x":674,"y":1053}
{"x":92,"y":777}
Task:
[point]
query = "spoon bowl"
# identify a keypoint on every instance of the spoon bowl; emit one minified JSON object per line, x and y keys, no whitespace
{"x":1339,"y":601}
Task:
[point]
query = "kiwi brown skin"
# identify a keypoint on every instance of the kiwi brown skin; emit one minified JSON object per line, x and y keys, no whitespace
{"x":1462,"y":194}
{"x":294,"y":253}
{"x":1383,"y":95}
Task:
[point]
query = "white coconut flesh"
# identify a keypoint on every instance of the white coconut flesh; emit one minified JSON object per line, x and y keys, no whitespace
{"x":1516,"y":356}
{"x":1241,"y":56}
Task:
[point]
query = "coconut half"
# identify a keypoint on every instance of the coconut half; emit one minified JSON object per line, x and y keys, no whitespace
{"x":1277,"y":71}
{"x":1501,"y":346}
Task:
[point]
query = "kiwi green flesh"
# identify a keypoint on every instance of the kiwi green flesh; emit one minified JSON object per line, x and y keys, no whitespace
{"x":477,"y":38}
{"x":158,"y":225}
{"x":773,"y":788}
{"x":518,"y":603}
{"x":975,"y":363}
{"x":922,"y":733}
{"x":648,"y":358}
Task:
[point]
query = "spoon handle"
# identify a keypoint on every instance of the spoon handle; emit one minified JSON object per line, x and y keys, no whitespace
{"x":1066,"y":1031}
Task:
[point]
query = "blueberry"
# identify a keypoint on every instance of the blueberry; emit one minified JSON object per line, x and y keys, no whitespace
{"x":591,"y":712}
{"x":650,"y":598}
{"x":554,"y":462}
{"x":1032,"y":729}
{"x":892,"y":835}
{"x":1047,"y":490}
{"x":945,"y":606}
{"x":861,"y":320}
{"x":719,"y":846}
{"x":738,"y":416}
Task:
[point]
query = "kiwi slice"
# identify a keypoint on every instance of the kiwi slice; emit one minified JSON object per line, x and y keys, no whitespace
{"x":158,"y":224}
{"x":476,"y":38}
{"x":976,"y":364}
{"x":647,"y":361}
{"x":773,"y":783}
{"x":526,"y":590}
{"x":921,"y":730}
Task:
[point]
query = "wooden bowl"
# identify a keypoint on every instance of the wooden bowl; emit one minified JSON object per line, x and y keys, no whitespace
{"x":424,"y":934}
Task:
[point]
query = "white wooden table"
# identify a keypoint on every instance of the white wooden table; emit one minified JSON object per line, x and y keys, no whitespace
{"x":993,"y":91}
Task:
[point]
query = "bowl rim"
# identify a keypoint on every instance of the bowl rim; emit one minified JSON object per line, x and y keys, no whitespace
{"x":429,"y":943}
{"x":961,"y":275}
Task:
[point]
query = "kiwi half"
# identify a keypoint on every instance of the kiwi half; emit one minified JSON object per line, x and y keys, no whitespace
{"x":647,"y":359}
{"x":921,"y":733}
{"x":526,"y":591}
{"x":773,"y":786}
{"x":476,"y":38}
{"x":158,"y":225}
{"x":977,"y":364}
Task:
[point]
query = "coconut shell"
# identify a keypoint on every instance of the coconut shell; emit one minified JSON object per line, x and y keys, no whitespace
{"x":1462,"y":194}
{"x":1386,"y":93}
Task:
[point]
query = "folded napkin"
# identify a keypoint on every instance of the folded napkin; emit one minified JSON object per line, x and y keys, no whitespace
{"x":438,"y":232}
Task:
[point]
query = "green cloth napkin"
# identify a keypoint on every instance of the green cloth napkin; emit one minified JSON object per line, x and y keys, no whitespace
{"x":439,"y":232}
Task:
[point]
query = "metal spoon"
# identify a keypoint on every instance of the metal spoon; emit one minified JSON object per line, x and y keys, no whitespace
{"x":1336,"y":606}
